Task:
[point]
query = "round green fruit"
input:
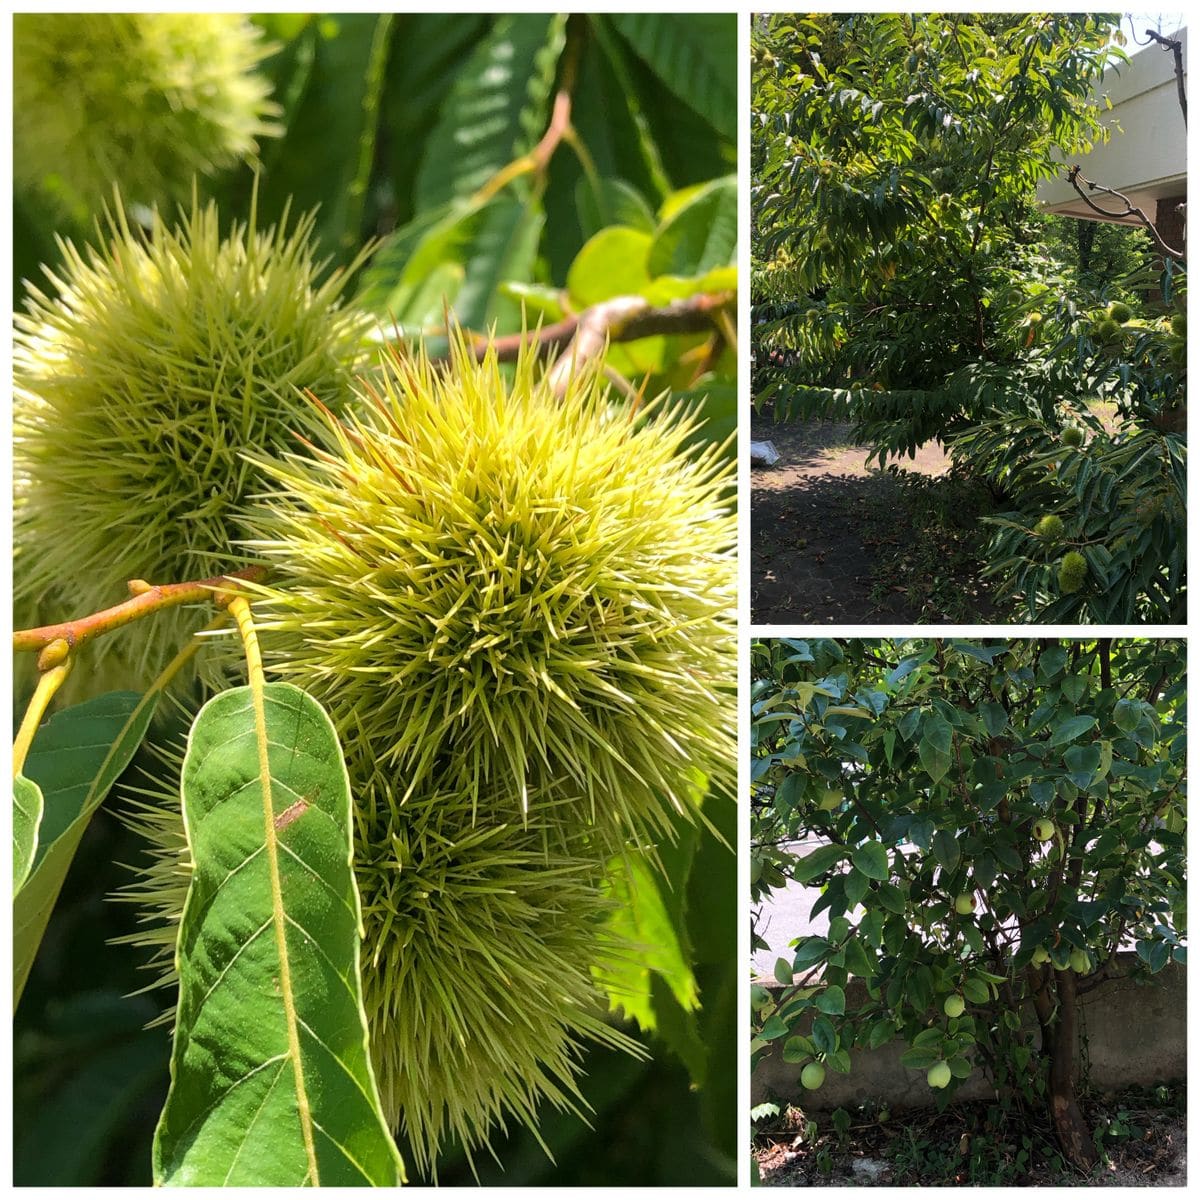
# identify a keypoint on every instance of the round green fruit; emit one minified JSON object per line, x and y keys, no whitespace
{"x":1072,"y":571}
{"x":1179,"y":324}
{"x":1080,"y":963}
{"x":151,"y":100}
{"x":954,"y":1006}
{"x":964,"y":904}
{"x":162,"y":362}
{"x":1040,"y":955}
{"x":1119,"y":312}
{"x":812,"y":1076}
{"x":1049,"y":528}
{"x":831,"y":798}
{"x":1072,"y":435}
{"x":1043,"y":829}
{"x":939,"y":1075}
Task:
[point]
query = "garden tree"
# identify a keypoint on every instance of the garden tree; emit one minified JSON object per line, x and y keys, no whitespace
{"x":1010,"y":815}
{"x":509,"y":316}
{"x":896,"y":258}
{"x":898,"y":185}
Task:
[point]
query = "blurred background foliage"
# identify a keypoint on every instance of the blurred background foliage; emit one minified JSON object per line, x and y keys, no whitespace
{"x":443,"y":143}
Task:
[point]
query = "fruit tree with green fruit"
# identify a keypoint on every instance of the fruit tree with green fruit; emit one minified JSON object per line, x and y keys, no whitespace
{"x":1014,"y":817}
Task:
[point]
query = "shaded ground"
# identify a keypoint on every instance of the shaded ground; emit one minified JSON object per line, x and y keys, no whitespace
{"x":809,"y":559}
{"x":1146,"y":1147}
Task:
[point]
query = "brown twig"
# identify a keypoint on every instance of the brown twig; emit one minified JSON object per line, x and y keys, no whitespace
{"x":147,"y":598}
{"x":1074,"y":178}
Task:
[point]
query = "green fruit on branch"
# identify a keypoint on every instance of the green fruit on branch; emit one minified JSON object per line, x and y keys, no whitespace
{"x":1049,"y":528}
{"x":1043,"y":829}
{"x":964,"y":904}
{"x":1072,"y":571}
{"x":1081,"y":964}
{"x":156,"y":363}
{"x":481,"y":924}
{"x":813,"y":1076}
{"x":536,"y":582}
{"x":1040,"y":955}
{"x":831,"y":798}
{"x":1072,"y":435}
{"x":1119,"y":312}
{"x":939,"y":1075}
{"x":150,"y":100}
{"x":1179,"y":325}
{"x":954,"y":1006}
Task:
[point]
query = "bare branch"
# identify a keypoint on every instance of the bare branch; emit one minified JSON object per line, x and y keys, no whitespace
{"x":1074,"y":178}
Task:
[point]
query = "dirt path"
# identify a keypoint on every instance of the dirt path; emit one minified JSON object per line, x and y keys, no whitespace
{"x":808,"y":562}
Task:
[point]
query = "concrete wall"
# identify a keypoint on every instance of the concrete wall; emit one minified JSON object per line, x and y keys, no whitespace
{"x":1146,"y":154}
{"x":1135,"y":1035}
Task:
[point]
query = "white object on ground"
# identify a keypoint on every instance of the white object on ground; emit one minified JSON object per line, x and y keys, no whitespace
{"x":764,"y":453}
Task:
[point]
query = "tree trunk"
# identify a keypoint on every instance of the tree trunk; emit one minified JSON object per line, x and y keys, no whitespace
{"x":1058,"y":1044}
{"x":1073,"y":1133}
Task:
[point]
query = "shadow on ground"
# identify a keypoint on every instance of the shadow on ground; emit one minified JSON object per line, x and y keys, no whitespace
{"x":810,"y":563}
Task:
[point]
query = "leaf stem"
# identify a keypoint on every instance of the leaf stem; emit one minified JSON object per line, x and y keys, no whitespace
{"x":147,"y":598}
{"x":239,"y":608}
{"x":48,"y":683}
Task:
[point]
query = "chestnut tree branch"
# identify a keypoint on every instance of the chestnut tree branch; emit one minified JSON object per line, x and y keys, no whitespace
{"x":147,"y":598}
{"x":1074,"y":178}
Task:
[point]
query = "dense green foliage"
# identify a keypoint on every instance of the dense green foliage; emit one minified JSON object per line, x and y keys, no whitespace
{"x":995,"y":820}
{"x":502,"y":171}
{"x":905,"y":280}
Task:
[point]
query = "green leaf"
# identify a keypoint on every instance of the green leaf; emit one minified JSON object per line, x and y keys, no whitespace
{"x":612,"y":202}
{"x":783,"y":971}
{"x":934,"y":760}
{"x":832,"y":1001}
{"x":817,"y":863}
{"x":920,"y":1059}
{"x":881,"y":1032}
{"x":945,"y":849}
{"x":809,"y":950}
{"x":839,"y":1060}
{"x":1070,"y":729}
{"x":701,"y":236}
{"x":496,"y":110}
{"x":271,"y":1081}
{"x":612,"y":263}
{"x":871,"y":858}
{"x":641,"y":917}
{"x":976,"y":991}
{"x":27,"y":817}
{"x":457,"y":255}
{"x":995,"y":717}
{"x":503,"y":246}
{"x":696,"y":57}
{"x":774,"y":1028}
{"x":1127,"y":715}
{"x":824,"y":1035}
{"x":325,"y":156}
{"x":74,"y":760}
{"x":797,"y":1049}
{"x":856,"y":887}
{"x":858,"y":962}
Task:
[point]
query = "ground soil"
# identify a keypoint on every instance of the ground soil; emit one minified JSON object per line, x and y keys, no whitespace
{"x":809,"y":561}
{"x":878,"y":1154}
